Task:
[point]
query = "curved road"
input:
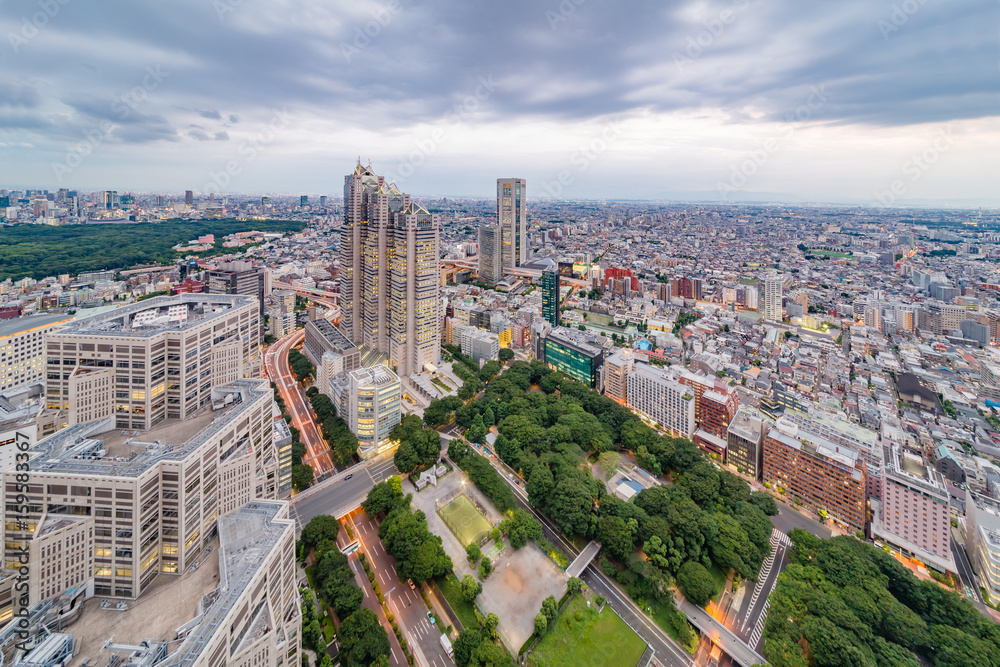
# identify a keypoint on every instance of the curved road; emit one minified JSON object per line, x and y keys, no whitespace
{"x":278,"y":370}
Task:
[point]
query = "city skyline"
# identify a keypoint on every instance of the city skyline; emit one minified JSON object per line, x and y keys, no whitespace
{"x":730,"y":101}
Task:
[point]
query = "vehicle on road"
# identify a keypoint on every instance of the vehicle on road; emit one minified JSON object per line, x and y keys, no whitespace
{"x":431,"y":617}
{"x":349,"y":477}
{"x":446,"y":645}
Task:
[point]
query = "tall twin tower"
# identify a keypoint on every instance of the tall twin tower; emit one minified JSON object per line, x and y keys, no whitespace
{"x":505,"y":245}
{"x":389,"y":273}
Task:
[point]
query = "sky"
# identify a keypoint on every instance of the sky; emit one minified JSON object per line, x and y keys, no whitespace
{"x":850,"y":101}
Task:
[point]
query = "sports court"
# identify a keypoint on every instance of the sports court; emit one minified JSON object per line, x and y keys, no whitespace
{"x":463,"y":519}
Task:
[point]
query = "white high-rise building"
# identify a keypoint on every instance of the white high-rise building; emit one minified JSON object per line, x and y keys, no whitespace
{"x":368,"y":400}
{"x":512,"y":217}
{"x":657,"y":394}
{"x":772,"y":297}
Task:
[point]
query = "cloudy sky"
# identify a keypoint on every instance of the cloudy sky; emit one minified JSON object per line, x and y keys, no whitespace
{"x":814,"y":100}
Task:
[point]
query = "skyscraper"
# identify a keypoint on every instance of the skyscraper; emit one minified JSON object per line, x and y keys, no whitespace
{"x":188,"y":197}
{"x":772,"y":297}
{"x":389,"y":273}
{"x":550,"y":297}
{"x":490,"y":262}
{"x":512,"y":217}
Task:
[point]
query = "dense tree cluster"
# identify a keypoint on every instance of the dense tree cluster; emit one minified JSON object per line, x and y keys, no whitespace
{"x":441,"y":410}
{"x":478,"y":648}
{"x":419,"y":447}
{"x":300,"y":365}
{"x":363,"y":640}
{"x":45,"y":250}
{"x":418,"y":552}
{"x":845,"y":602}
{"x":342,"y":443}
{"x":483,"y":475}
{"x":335,"y":581}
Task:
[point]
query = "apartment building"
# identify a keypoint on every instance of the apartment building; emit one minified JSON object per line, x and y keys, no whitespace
{"x":745,"y":442}
{"x":22,"y":353}
{"x":821,"y":473}
{"x":914,"y":516}
{"x":151,"y":361}
{"x":616,"y":371}
{"x":152,"y":500}
{"x":657,"y":394}
{"x":715,"y":405}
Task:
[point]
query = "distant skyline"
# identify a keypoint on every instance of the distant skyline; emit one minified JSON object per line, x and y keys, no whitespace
{"x":834,"y":102}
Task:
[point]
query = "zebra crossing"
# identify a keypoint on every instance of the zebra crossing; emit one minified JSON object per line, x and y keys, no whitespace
{"x":779,"y":540}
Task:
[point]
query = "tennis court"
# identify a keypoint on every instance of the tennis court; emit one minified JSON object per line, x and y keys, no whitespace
{"x":465,"y":521}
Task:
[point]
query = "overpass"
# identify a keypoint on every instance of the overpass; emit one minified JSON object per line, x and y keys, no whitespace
{"x":306,"y":291}
{"x":531,"y":274}
{"x":584,"y":559}
{"x":720,"y":634}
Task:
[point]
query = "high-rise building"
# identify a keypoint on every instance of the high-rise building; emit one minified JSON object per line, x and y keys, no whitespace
{"x":188,"y":197}
{"x":657,"y":394}
{"x":550,"y":297}
{"x":512,"y":217}
{"x":745,"y":442}
{"x":368,"y":400}
{"x":490,"y":261}
{"x":303,"y":200}
{"x":110,"y":199}
{"x":22,"y":351}
{"x":323,"y":200}
{"x":616,"y":371}
{"x":389,"y":273}
{"x":772,"y":297}
{"x":153,"y":360}
{"x":241,"y":277}
{"x":982,"y":513}
{"x":575,"y":353}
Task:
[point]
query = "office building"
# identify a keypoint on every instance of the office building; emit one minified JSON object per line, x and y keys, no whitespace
{"x":188,"y":197}
{"x":745,"y":442}
{"x":915,"y":517}
{"x":490,"y":260}
{"x":820,"y":473}
{"x":973,"y":330}
{"x":617,"y":368}
{"x":945,"y":316}
{"x":110,"y":199}
{"x":479,"y":344}
{"x":22,"y":355}
{"x":152,"y":500}
{"x":982,"y":516}
{"x":575,"y":353}
{"x":368,"y":400}
{"x":512,"y":218}
{"x":152,"y":360}
{"x":772,"y":297}
{"x":550,"y":297}
{"x":389,"y":273}
{"x":241,"y":277}
{"x":656,"y":394}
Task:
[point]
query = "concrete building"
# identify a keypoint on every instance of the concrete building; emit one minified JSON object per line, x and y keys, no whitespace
{"x":479,"y":344}
{"x":389,"y":273}
{"x":153,"y":360}
{"x":368,"y":400}
{"x":617,"y":368}
{"x":915,"y":516}
{"x":240,"y":277}
{"x":576,"y":353}
{"x":821,"y":473}
{"x":22,"y":356}
{"x":773,"y":285}
{"x":657,"y":394}
{"x":745,"y":442}
{"x":490,"y":260}
{"x":982,"y":516}
{"x":152,"y":501}
{"x":550,"y":297}
{"x":330,"y":352}
{"x":512,"y":218}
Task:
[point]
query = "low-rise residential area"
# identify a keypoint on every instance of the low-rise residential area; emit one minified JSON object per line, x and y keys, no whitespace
{"x":403,"y":430}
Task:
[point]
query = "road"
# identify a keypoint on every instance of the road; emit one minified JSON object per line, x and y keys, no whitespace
{"x":406,"y":605}
{"x":787,"y":518}
{"x":747,"y":620}
{"x":279,"y":372}
{"x":338,"y":495}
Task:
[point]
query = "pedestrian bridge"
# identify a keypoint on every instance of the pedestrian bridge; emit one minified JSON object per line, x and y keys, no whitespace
{"x":581,"y":562}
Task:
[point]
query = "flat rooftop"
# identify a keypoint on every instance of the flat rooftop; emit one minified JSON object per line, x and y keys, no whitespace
{"x":25,"y":323}
{"x":158,"y":314}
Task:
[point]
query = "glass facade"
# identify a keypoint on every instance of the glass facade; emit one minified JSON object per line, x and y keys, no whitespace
{"x":550,"y":297}
{"x":572,"y":362}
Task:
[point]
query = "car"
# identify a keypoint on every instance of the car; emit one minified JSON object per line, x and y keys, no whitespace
{"x":349,"y":476}
{"x":431,"y":617}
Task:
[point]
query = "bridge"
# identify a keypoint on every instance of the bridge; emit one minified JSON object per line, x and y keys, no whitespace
{"x":583,"y":560}
{"x":306,"y":291}
{"x":531,"y":274}
{"x":720,"y":634}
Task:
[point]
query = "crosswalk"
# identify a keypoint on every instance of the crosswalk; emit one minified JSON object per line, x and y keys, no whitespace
{"x":778,"y":540}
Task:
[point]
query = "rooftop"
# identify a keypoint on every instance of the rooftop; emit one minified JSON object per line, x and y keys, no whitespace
{"x":26,"y":323}
{"x":165,"y":313}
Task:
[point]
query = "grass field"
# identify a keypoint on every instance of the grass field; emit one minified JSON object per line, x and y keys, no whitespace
{"x":465,"y":521}
{"x":583,"y":638}
{"x":464,"y":609}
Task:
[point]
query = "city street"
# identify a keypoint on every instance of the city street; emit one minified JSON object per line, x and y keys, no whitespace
{"x":279,"y":372}
{"x":339,"y":495}
{"x":406,"y":605}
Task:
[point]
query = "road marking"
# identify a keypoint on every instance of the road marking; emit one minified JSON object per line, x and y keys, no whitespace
{"x":765,"y":570}
{"x":381,"y":575}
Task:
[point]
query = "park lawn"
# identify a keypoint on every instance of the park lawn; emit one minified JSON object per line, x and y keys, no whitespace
{"x":583,"y":638}
{"x":452,"y":592}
